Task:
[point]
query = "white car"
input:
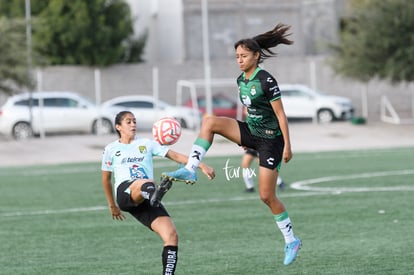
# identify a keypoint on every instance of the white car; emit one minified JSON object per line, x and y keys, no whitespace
{"x":300,"y":101}
{"x":52,"y":112}
{"x":147,"y":110}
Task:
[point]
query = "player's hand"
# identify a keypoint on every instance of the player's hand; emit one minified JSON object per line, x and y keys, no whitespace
{"x":208,"y":171}
{"x":287,"y":154}
{"x":116,"y":213}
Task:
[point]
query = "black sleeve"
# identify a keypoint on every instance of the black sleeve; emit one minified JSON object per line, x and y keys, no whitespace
{"x":269,"y":85}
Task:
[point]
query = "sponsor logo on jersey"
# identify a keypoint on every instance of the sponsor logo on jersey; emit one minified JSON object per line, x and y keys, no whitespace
{"x":246,"y":101}
{"x":133,"y":159}
{"x":276,"y":90}
{"x":269,"y":79}
{"x":118,"y":153}
{"x":137,"y":172}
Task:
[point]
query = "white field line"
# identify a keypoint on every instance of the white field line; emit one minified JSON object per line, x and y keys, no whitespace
{"x":306,"y":185}
{"x":354,"y":154}
{"x":68,"y":170}
{"x":299,"y":185}
{"x":188,"y":202}
{"x":97,"y":168}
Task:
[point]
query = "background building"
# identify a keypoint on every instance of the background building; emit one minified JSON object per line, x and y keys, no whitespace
{"x":175,"y":26}
{"x":174,"y":52}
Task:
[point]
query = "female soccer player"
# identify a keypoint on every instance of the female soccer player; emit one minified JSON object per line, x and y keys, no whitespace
{"x":130,"y":160}
{"x":265,"y":130}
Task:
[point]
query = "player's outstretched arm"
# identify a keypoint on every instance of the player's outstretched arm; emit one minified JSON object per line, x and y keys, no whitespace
{"x":180,"y":158}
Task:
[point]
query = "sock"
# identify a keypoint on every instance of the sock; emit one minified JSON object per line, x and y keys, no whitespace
{"x":279,"y":180}
{"x":147,"y":189}
{"x":248,"y":178}
{"x":169,"y":259}
{"x":285,"y":226}
{"x":199,"y":149}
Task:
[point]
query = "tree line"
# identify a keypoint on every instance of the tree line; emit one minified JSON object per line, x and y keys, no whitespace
{"x":65,"y":32}
{"x":376,"y":38}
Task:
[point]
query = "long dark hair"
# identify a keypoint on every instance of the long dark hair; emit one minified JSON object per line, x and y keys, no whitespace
{"x":263,"y":42}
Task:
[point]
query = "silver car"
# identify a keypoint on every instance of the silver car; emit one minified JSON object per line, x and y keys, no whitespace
{"x":300,"y":101}
{"x":25,"y":115}
{"x":147,"y":110}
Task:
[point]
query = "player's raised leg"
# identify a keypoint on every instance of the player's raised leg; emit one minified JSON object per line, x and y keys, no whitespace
{"x":160,"y":191}
{"x":211,"y":125}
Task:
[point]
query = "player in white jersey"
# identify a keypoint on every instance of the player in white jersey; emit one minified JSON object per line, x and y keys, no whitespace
{"x":129,"y":161}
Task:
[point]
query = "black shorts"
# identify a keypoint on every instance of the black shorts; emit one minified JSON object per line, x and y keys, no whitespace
{"x":270,"y":150}
{"x":252,"y":152}
{"x":143,"y":212}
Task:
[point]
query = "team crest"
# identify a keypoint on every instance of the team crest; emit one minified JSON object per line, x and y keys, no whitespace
{"x":142,"y":149}
{"x":253,"y":90}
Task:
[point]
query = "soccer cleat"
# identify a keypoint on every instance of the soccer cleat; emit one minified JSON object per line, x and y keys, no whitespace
{"x":250,"y":190}
{"x":160,"y":191}
{"x":181,"y":174}
{"x":291,"y":251}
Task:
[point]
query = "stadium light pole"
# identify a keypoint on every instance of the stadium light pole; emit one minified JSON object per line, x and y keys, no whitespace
{"x":155,"y":49}
{"x":98,"y":96}
{"x":29,"y":55}
{"x":206,"y":55}
{"x":39,"y":81}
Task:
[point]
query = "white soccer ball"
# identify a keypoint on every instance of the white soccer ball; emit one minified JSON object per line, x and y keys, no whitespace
{"x":166,"y":131}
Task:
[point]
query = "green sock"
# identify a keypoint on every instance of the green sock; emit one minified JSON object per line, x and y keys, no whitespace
{"x":205,"y":144}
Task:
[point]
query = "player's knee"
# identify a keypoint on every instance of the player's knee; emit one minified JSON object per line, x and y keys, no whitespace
{"x":171,"y":238}
{"x":208,"y":122}
{"x":267,"y":198}
{"x":147,"y":189}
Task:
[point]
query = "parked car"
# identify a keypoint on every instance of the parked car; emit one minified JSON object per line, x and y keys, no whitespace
{"x":222,"y":105}
{"x":147,"y":110}
{"x":300,"y":101}
{"x":52,"y":112}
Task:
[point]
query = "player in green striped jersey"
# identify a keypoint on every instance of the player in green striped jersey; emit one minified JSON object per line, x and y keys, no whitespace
{"x":265,"y":130}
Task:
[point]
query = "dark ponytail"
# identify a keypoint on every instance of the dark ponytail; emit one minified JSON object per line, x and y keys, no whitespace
{"x":263,"y":42}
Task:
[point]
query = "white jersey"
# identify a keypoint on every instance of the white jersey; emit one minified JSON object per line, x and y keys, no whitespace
{"x":131,"y":161}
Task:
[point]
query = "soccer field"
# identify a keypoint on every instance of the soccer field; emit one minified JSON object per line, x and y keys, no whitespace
{"x":353,"y":211}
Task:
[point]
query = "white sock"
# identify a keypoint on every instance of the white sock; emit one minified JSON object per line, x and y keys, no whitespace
{"x":248,"y":178}
{"x":194,"y":159}
{"x":285,"y":226}
{"x":279,"y":180}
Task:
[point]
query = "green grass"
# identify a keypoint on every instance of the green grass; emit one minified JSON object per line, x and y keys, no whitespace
{"x":54,"y":220}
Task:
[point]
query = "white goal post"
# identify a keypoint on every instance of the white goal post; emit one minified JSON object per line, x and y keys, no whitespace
{"x":390,"y":115}
{"x":193,"y":84}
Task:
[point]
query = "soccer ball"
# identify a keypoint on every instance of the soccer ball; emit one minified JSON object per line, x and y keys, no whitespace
{"x":166,"y":131}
